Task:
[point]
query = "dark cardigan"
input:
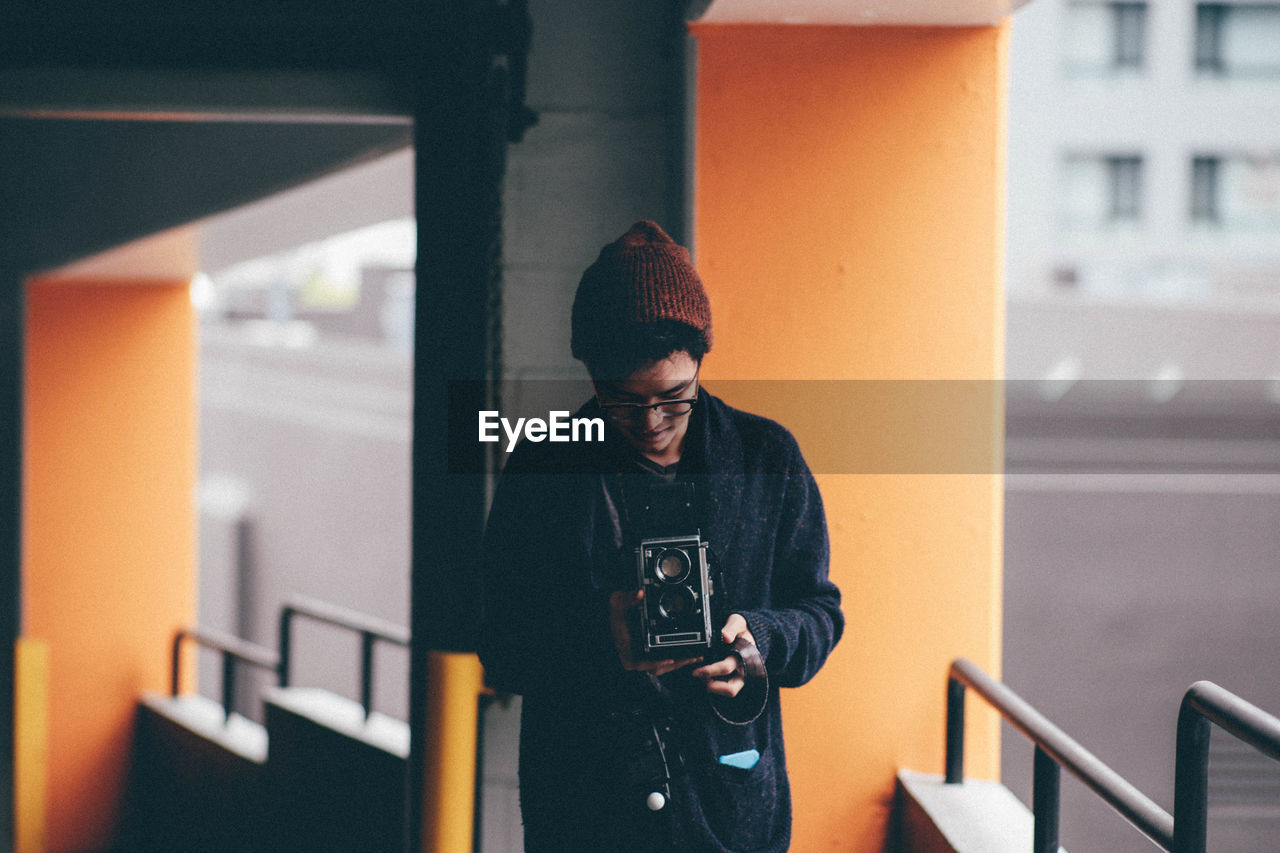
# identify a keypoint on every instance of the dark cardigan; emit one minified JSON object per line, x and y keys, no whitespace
{"x":554,"y":552}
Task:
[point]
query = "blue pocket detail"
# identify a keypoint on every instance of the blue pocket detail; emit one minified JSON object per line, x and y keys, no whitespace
{"x":743,"y":760}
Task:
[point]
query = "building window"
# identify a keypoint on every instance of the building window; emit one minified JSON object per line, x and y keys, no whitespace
{"x":1238,"y":39}
{"x":1101,"y":191}
{"x":1130,"y":34}
{"x":1238,"y":192}
{"x":1204,"y":189}
{"x":1124,"y":175}
{"x":1104,"y":38}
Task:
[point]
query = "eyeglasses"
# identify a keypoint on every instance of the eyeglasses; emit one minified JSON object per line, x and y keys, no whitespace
{"x":634,"y":411}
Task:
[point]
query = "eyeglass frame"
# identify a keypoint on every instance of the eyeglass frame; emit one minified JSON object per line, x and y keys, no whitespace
{"x":631,"y":411}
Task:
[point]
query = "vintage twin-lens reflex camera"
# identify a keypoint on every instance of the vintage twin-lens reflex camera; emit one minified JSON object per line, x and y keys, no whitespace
{"x":675,"y":571}
{"x":676,"y":613}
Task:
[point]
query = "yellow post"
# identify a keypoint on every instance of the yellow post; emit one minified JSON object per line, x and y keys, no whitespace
{"x":454,"y":683}
{"x":31,"y":730}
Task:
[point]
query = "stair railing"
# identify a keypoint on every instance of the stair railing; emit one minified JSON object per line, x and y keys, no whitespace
{"x":233,"y":650}
{"x":370,"y":629}
{"x":1185,"y":831}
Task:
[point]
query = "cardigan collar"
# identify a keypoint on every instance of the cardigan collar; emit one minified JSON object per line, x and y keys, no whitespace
{"x":712,"y":458}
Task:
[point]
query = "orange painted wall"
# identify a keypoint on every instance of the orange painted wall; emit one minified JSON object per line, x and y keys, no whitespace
{"x":848,"y":209}
{"x":108,"y":523}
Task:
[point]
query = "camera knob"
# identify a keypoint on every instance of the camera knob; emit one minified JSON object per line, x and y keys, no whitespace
{"x":655,"y":801}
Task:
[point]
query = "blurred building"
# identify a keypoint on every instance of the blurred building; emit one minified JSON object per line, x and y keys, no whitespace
{"x":1145,"y":151}
{"x":1143,"y":497}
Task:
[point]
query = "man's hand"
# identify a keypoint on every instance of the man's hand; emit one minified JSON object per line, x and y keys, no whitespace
{"x":620,"y":604}
{"x":725,"y":677}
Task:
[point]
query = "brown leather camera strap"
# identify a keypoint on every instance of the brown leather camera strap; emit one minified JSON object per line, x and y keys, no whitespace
{"x":752,"y":663}
{"x":748,"y":705}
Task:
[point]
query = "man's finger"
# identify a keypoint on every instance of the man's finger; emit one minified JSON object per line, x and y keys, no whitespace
{"x":728,"y":687}
{"x":663,"y":667}
{"x":649,"y":665}
{"x":719,"y":669}
{"x":734,"y":627}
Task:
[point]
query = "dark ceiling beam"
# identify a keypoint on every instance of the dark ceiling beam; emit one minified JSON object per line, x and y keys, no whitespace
{"x":247,"y":34}
{"x":124,"y":118}
{"x":282,"y":95}
{"x":70,"y":189}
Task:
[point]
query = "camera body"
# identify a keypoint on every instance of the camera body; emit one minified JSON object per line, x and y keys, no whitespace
{"x":676,"y":619}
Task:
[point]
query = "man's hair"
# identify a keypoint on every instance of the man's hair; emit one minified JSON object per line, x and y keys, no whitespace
{"x":632,"y":346}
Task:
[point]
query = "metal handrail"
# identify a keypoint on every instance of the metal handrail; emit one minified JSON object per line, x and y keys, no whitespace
{"x":370,"y":629}
{"x":232,"y":649}
{"x":1054,"y":748}
{"x":1186,"y":831}
{"x":1203,"y":704}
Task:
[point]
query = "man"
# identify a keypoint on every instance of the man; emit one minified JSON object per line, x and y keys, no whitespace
{"x":600,"y":720}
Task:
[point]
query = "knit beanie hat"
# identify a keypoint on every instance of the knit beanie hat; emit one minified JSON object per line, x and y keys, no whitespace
{"x":642,"y":277}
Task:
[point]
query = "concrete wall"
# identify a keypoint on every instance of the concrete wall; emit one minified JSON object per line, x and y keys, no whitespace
{"x":601,"y":76}
{"x":977,"y":816}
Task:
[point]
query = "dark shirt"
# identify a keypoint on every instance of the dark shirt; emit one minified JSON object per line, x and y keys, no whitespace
{"x":556,"y":547}
{"x":647,"y":465}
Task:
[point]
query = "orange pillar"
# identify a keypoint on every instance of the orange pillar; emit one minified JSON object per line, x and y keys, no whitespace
{"x":847,"y":220}
{"x":108,"y":524}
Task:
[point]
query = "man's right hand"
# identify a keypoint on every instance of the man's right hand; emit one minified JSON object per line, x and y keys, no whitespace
{"x":620,"y":606}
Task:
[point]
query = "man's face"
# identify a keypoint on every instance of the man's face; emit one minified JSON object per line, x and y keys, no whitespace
{"x":647,"y":430}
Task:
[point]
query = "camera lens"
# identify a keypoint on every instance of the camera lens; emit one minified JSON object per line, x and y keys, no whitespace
{"x":675,"y":603}
{"x":672,"y":565}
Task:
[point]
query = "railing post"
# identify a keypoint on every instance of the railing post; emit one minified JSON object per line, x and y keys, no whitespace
{"x":955,"y":731}
{"x":176,"y":665}
{"x":1045,"y":786}
{"x":1191,"y":782}
{"x":286,"y":617}
{"x":228,"y":684}
{"x":366,"y":672}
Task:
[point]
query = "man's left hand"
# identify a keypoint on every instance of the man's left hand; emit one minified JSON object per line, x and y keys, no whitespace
{"x":725,"y":677}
